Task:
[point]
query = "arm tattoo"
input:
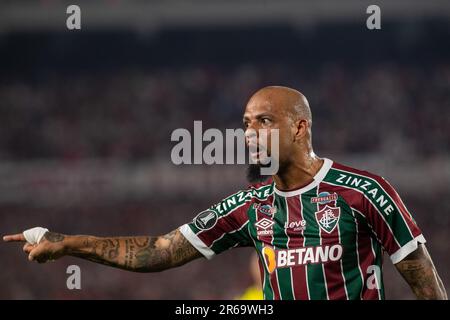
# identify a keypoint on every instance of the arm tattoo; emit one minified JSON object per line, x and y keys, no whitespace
{"x":140,"y":254}
{"x":420,"y":273}
{"x":104,"y":251}
{"x":185,"y":251}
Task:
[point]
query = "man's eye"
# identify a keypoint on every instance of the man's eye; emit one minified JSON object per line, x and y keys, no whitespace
{"x":265,"y":120}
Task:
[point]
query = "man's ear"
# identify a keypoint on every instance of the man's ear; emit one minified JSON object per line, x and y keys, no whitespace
{"x":300,"y":128}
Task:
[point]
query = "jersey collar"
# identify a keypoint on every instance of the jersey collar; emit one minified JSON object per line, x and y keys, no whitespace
{"x":320,"y":175}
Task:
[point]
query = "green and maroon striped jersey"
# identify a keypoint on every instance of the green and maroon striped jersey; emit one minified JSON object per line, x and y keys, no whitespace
{"x":323,"y":241}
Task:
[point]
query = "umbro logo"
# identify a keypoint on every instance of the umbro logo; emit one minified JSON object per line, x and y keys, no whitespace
{"x":264,"y":227}
{"x":264,"y":223}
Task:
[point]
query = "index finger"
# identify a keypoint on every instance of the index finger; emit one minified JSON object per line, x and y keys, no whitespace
{"x":14,"y":237}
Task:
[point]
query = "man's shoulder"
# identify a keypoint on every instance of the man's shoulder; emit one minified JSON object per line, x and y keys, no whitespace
{"x":364,"y":182}
{"x":244,"y":197}
{"x":348,"y":173}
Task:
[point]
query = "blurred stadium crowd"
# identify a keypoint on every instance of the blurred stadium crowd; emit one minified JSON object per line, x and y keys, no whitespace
{"x":129,"y":115}
{"x":394,"y":111}
{"x":385,"y":100}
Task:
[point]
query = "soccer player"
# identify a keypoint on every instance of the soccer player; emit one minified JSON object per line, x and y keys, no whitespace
{"x":319,"y":228}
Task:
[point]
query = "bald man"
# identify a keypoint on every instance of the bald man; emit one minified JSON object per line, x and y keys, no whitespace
{"x":319,"y":228}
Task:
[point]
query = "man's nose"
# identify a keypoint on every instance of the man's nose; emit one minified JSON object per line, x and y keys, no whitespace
{"x":251,"y":134}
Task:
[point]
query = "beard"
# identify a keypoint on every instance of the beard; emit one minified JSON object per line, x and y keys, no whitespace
{"x":254,"y":173}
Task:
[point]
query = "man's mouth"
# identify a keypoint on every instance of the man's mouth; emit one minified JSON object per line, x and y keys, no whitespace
{"x":255,"y":156}
{"x":256,"y":152}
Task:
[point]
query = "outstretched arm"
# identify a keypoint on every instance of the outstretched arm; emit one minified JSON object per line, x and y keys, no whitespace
{"x":138,"y":254}
{"x":419,"y":272}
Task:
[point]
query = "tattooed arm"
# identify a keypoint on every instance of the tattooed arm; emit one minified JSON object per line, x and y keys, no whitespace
{"x":139,"y":254}
{"x":419,"y":271}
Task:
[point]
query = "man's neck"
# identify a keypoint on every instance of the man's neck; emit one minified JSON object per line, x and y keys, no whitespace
{"x":299,"y":173}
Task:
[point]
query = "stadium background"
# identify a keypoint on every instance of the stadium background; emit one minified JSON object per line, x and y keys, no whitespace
{"x":86,"y":118}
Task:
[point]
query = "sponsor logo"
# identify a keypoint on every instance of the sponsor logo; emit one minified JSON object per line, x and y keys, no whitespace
{"x":241,"y":197}
{"x":264,"y":227}
{"x":265,"y":209}
{"x":298,"y":225}
{"x":286,"y":258}
{"x":328,"y":218}
{"x":269,"y":259}
{"x":205,"y":220}
{"x":377,"y":196}
{"x":324,"y":197}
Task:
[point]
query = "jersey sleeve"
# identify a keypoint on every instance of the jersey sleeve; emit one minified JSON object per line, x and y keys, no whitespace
{"x":390,"y":220}
{"x":221,"y":227}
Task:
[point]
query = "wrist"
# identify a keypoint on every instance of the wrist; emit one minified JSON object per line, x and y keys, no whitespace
{"x":73,"y":244}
